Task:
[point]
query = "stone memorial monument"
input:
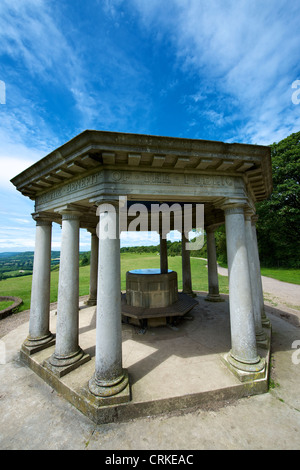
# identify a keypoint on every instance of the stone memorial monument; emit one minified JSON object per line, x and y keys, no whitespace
{"x":88,"y":176}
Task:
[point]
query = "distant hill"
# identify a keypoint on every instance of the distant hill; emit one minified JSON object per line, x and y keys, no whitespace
{"x":15,"y":264}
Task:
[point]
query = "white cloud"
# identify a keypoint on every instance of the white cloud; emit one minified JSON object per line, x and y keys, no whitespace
{"x":15,"y":158}
{"x":31,"y":33}
{"x":139,"y":238}
{"x":245,"y":53}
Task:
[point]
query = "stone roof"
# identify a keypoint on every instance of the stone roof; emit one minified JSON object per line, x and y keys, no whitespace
{"x":94,"y":150}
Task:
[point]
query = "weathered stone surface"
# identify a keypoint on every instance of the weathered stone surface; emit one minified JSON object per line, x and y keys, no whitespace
{"x":149,"y":288}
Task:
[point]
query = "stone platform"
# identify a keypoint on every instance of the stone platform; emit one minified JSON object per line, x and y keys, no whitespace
{"x":170,"y":368}
{"x":159,"y":316}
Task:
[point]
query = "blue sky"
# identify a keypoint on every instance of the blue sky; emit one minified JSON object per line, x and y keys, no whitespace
{"x":215,"y":70}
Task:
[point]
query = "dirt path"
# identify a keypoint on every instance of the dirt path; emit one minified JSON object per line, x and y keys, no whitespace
{"x":287,"y":293}
{"x":283,"y":298}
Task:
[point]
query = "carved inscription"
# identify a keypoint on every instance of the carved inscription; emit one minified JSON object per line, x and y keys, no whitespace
{"x":119,"y":177}
{"x":71,"y":187}
{"x":83,"y":183}
{"x":175,"y":179}
{"x":207,"y":180}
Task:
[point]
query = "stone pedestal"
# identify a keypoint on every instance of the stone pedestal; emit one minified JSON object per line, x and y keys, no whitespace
{"x":150,"y":288}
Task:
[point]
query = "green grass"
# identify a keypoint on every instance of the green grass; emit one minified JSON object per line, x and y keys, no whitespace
{"x":5,"y":303}
{"x":145,"y":260}
{"x":17,"y":273}
{"x":282,"y":274}
{"x":21,"y":286}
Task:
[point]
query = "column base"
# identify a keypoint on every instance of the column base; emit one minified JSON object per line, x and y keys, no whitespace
{"x":245,"y":372}
{"x":33,"y":345}
{"x":190,"y":293}
{"x":107,"y":389}
{"x":214,"y":298}
{"x":262,"y":340}
{"x":62,"y":365}
{"x":91,"y":302}
{"x":265,"y":321}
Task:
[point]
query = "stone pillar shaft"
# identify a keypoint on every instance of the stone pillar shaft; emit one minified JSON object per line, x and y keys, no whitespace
{"x":163,"y":254}
{"x":68,"y":354}
{"x":93,"y":269}
{"x":260,"y":335}
{"x":212,"y":268}
{"x":39,"y":333}
{"x":109,"y":378}
{"x":186,"y":267}
{"x":265,"y":320}
{"x":243,"y":354}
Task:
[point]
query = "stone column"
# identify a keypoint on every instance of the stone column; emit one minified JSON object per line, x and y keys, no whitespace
{"x":39,"y":335}
{"x":264,"y":318}
{"x":186,"y":267}
{"x":243,"y":356}
{"x":93,"y":268}
{"x":68,"y":355}
{"x":212,"y":267}
{"x":110,"y":379}
{"x":163,"y":254}
{"x":259,"y":333}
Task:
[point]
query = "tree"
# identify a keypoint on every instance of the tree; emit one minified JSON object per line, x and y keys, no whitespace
{"x":278,"y":226}
{"x":85,"y":259}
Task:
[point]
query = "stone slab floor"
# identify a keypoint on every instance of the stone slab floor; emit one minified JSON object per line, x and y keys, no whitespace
{"x":163,"y":363}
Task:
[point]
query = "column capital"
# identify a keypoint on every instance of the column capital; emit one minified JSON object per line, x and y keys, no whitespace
{"x":92,"y":230}
{"x":70,"y":216}
{"x":248,"y":214}
{"x":42,"y":218}
{"x":106,"y":199}
{"x":233,"y":209}
{"x":70,"y":212}
{"x":211,"y":228}
{"x":232,"y":205}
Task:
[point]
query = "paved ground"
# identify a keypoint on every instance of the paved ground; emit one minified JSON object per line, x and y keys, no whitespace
{"x":34,"y":416}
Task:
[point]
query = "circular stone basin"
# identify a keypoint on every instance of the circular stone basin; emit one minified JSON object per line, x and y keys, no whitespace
{"x":149,"y":288}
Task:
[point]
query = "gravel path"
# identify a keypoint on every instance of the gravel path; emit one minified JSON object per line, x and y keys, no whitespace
{"x":282,"y":297}
{"x":285,"y":292}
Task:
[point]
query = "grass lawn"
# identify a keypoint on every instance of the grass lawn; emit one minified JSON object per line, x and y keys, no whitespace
{"x":282,"y":274}
{"x":21,"y":286}
{"x":5,"y":303}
